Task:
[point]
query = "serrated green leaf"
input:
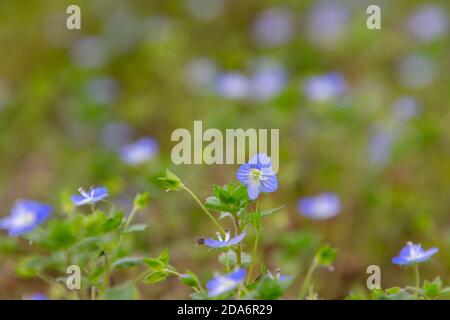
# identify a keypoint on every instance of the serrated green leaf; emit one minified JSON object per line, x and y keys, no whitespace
{"x":135,"y":228}
{"x":155,"y":277}
{"x":141,"y":201}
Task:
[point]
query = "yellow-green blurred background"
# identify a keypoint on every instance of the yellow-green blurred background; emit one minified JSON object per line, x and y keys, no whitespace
{"x":69,"y":98}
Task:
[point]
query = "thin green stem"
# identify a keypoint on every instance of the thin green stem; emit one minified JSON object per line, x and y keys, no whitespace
{"x":306,"y":284}
{"x":417,"y":274}
{"x":204,"y":209}
{"x":239,"y":246}
{"x":255,"y":246}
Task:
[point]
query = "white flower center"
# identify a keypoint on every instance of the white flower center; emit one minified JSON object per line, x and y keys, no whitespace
{"x":256,"y":175}
{"x":24,"y":218}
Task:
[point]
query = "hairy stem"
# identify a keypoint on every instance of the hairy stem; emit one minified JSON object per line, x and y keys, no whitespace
{"x":306,"y":284}
{"x":417,"y":274}
{"x":255,"y":246}
{"x":239,"y":246}
{"x":204,"y":209}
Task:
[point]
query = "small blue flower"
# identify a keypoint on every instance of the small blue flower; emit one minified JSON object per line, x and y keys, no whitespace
{"x":222,"y":284}
{"x":233,"y":85}
{"x":320,"y":207}
{"x":140,"y":151}
{"x":224,"y":242}
{"x":413,"y":253}
{"x":258,"y":176}
{"x":94,"y":195}
{"x":325,"y":87}
{"x":25,"y":216}
{"x":36,"y":296}
{"x":268,"y":79}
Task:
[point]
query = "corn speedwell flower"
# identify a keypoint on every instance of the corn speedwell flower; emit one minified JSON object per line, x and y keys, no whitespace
{"x":413,"y":253}
{"x":224,"y":241}
{"x":25,"y":216}
{"x":320,"y":207}
{"x":94,"y":195}
{"x":222,"y":284}
{"x":258,"y":176}
{"x":140,"y":151}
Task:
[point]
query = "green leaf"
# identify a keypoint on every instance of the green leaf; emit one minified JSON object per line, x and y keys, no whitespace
{"x":155,"y":277}
{"x":190,"y":279}
{"x":126,"y":262}
{"x":170,"y":181}
{"x":60,"y":235}
{"x":326,"y":256}
{"x":154,"y":264}
{"x":268,"y":212}
{"x":246,"y":259}
{"x":30,"y":267}
{"x":269,"y":289}
{"x":164,"y":257}
{"x":113,"y":223}
{"x":141,"y":201}
{"x":432,"y":289}
{"x":127,"y":291}
{"x":135,"y":228}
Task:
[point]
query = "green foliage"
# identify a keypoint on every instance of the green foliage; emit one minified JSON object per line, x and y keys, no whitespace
{"x":326,"y":256}
{"x":170,"y":181}
{"x":230,"y":198}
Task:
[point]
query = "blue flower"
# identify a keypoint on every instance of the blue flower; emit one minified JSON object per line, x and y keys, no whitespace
{"x":25,"y":216}
{"x":140,"y":151}
{"x":268,"y":79}
{"x":36,"y":296}
{"x":258,"y":176}
{"x":224,"y":242}
{"x":322,"y":206}
{"x":94,"y":195}
{"x":273,"y":27}
{"x":222,"y":284}
{"x":325,"y":87}
{"x":233,"y":85}
{"x":413,"y":253}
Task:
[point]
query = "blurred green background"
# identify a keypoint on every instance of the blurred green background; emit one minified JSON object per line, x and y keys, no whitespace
{"x":70,"y":98}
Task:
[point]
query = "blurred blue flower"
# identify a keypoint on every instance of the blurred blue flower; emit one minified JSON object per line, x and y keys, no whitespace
{"x":140,"y":151}
{"x":320,"y":207}
{"x":36,"y":296}
{"x":416,"y":71}
{"x":224,"y":242}
{"x":269,"y":78}
{"x":273,"y":27}
{"x":325,"y":87}
{"x":90,"y":52}
{"x":327,"y":24}
{"x":232,"y":85}
{"x":200,"y":73}
{"x":405,"y":108}
{"x":223,"y":284}
{"x":380,"y":147}
{"x":102,"y":90}
{"x":428,"y":22}
{"x":25,"y":216}
{"x":413,"y":253}
{"x":116,"y":134}
{"x":94,"y":195}
{"x":205,"y":10}
{"x":258,"y":175}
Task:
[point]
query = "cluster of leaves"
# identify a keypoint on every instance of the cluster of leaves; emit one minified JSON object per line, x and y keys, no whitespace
{"x":95,"y":243}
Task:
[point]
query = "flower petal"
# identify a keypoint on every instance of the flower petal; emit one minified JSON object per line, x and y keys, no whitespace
{"x":270,"y":184}
{"x":253,"y":189}
{"x":243,"y":173}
